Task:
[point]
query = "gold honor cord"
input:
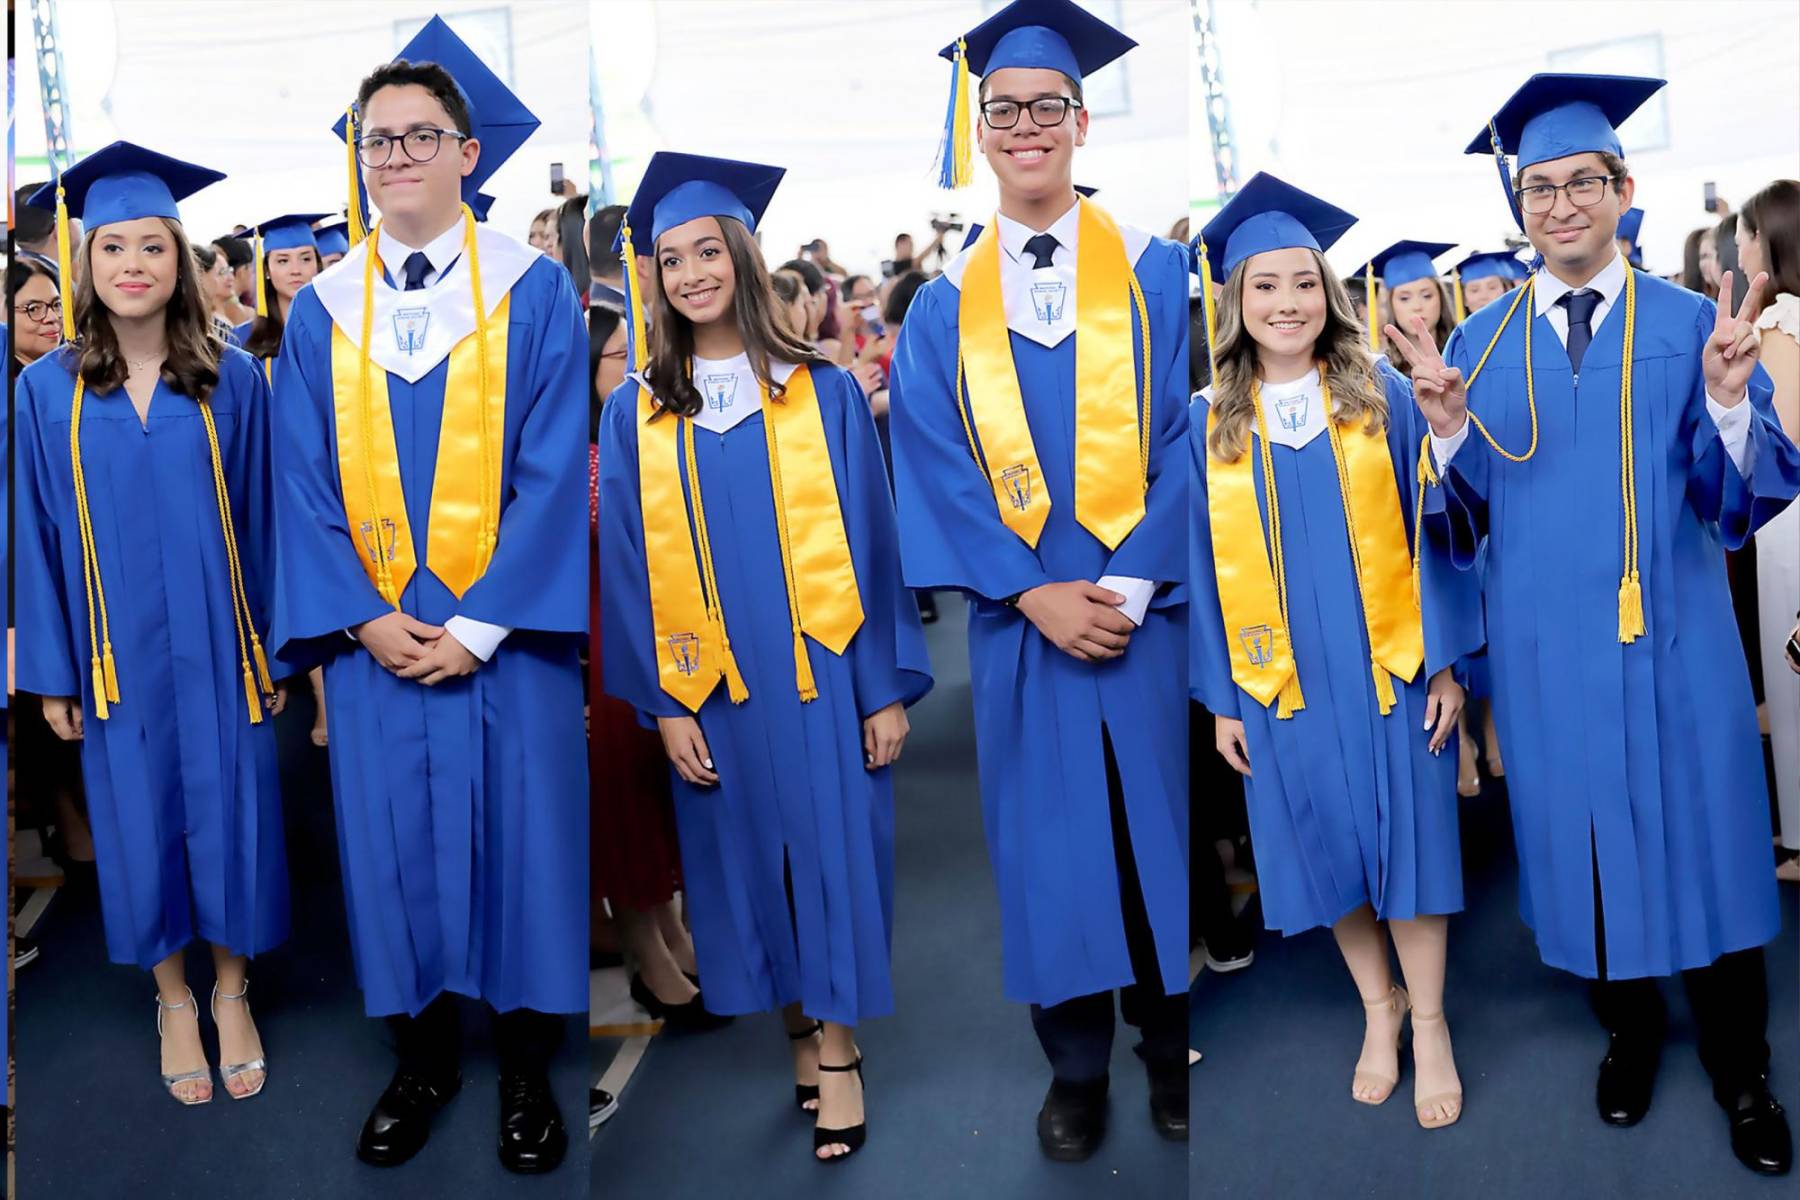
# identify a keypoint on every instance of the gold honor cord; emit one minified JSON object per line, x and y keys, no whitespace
{"x":1631,"y":592}
{"x":105,"y":671}
{"x":735,"y":689}
{"x":1373,"y":321}
{"x":1290,"y":700}
{"x":256,"y":684}
{"x":1208,"y":314}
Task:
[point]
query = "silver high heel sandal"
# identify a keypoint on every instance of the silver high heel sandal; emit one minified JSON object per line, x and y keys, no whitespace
{"x":231,"y":1071}
{"x":171,"y":1082}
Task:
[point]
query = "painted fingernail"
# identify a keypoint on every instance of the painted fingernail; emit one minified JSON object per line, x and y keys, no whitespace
{"x":708,"y":763}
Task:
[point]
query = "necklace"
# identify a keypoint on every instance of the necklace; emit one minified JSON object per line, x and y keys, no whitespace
{"x":138,"y":364}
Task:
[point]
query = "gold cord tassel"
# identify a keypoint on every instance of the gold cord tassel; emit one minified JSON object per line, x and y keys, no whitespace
{"x":1384,"y":688}
{"x":803,"y":675}
{"x":111,"y":671}
{"x":734,"y":678}
{"x":251,"y":699}
{"x":1290,"y":701}
{"x":100,"y":709}
{"x":357,"y":229}
{"x":262,"y":665}
{"x":1631,"y":609}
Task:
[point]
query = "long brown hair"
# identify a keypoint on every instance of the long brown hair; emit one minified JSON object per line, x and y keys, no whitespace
{"x":753,"y":307}
{"x":1773,"y":214}
{"x":191,"y":365}
{"x":1440,"y":330}
{"x":265,"y":332}
{"x":1349,"y":368}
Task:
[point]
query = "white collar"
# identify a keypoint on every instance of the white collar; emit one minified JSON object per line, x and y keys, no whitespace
{"x":729,"y":391}
{"x":1609,"y":283}
{"x":441,"y":250}
{"x":1014,"y":234}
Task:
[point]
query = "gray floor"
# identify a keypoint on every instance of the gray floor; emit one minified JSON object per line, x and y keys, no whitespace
{"x":954,"y":1078}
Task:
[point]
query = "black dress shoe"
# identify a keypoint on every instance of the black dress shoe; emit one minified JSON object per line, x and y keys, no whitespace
{"x":691,"y":1017}
{"x":532,"y":1138}
{"x":1627,"y":1078}
{"x":1073,"y":1120}
{"x":1759,"y":1131}
{"x":1168,"y":1098}
{"x":401,"y":1120}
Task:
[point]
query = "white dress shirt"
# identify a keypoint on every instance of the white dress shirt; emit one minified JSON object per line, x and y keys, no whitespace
{"x":1040,"y":302}
{"x":1733,"y":423}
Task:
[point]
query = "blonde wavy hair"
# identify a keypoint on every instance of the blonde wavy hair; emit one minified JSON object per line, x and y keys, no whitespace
{"x":1348,"y":367}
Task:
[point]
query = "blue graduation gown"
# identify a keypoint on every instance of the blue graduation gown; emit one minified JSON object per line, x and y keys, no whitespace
{"x":1040,"y":713}
{"x":183,"y":792}
{"x":240,"y":334}
{"x":793,"y":795}
{"x":1642,"y":757}
{"x":1347,"y":807}
{"x":462,"y":808}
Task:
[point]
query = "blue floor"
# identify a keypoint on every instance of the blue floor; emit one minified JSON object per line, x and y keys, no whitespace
{"x":93,"y":1120}
{"x":954,"y":1078}
{"x":1273,"y":1115}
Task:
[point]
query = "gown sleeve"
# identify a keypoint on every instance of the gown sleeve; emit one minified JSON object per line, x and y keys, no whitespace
{"x":1209,"y":657}
{"x":320,"y":587}
{"x":951,"y":535}
{"x":45,"y":642}
{"x":1153,"y":550}
{"x":626,"y":628}
{"x":1718,"y":491}
{"x":537,"y":578}
{"x":887,"y":656}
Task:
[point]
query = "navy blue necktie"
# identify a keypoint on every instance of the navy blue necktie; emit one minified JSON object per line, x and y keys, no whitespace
{"x":1041,"y":248}
{"x":1580,"y":306}
{"x":416,"y":267}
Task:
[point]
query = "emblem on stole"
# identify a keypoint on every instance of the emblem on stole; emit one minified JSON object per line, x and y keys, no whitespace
{"x":410,"y":325}
{"x":685,"y":649}
{"x":389,"y":535}
{"x":1047,"y":301}
{"x":720,"y":390}
{"x":1017,"y":481}
{"x":1259,"y":644}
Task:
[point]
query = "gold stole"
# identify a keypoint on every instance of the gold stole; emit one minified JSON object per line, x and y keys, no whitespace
{"x":465,"y":491}
{"x":1109,"y":495}
{"x":1252,"y":575}
{"x":692,"y":647}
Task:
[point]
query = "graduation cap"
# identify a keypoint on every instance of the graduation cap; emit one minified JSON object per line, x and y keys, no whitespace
{"x":1631,"y":223}
{"x":1269,"y":214}
{"x":292,"y":231}
{"x":332,"y":237}
{"x":1555,"y":115}
{"x":480,"y":205}
{"x":1056,"y":35}
{"x":498,"y":119}
{"x":121,"y":182}
{"x":1407,"y":262}
{"x":976,"y":227}
{"x":1489,"y":264}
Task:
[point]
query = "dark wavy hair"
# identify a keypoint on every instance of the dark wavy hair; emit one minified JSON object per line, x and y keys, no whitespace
{"x":265,"y":332}
{"x":191,"y":366}
{"x":753,"y":308}
{"x":1773,"y":215}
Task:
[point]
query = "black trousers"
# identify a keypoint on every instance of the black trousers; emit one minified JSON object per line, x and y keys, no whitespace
{"x":1729,"y":999}
{"x":1077,"y":1034}
{"x":1211,"y":783}
{"x":431,"y":1042}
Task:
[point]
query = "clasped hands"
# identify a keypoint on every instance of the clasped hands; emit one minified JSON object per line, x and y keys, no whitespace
{"x":411,"y":649}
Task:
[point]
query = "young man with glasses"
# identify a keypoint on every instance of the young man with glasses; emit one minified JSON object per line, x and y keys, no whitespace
{"x":1039,"y":418}
{"x":433,"y":556}
{"x":1634,"y":767}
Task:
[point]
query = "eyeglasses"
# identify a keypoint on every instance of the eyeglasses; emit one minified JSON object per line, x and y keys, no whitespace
{"x":40,"y":310}
{"x":1585,"y":192}
{"x":1047,"y":112}
{"x":420,"y":145}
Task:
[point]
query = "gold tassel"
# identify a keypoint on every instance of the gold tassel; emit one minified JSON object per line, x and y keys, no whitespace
{"x":100,"y":709}
{"x":357,"y":229}
{"x":1374,"y":321}
{"x":112,"y":674}
{"x":1631,"y":610}
{"x":1384,"y":688}
{"x":262,"y":299}
{"x":250,"y":696}
{"x":1207,"y":313}
{"x":734,"y":679}
{"x":961,"y":139}
{"x":64,"y":283}
{"x":262,"y":666}
{"x":1462,"y":309}
{"x":640,"y":354}
{"x":803,"y":676}
{"x":1290,"y":701}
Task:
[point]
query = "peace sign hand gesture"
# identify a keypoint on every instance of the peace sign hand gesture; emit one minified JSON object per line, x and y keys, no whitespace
{"x":1438,"y":390}
{"x":1732,"y":350}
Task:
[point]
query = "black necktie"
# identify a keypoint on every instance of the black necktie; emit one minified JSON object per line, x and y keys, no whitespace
{"x":1580,"y":306}
{"x":416,"y":267}
{"x":1041,"y":247}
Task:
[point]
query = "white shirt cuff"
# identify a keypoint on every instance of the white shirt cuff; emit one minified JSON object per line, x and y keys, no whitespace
{"x":477,"y":637}
{"x":1443,"y":449}
{"x":1734,"y":430}
{"x":1137,"y":593}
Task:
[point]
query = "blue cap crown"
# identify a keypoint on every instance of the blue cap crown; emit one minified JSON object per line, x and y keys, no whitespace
{"x":1057,"y":35}
{"x":289,"y":232}
{"x":1408,"y":262}
{"x":124,"y":182}
{"x":678,"y":188}
{"x":1269,"y":214}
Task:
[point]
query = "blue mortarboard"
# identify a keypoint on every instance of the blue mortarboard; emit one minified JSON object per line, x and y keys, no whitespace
{"x":124,"y":182}
{"x":1054,"y":34}
{"x":975,"y":228}
{"x":1268,"y":214}
{"x":288,"y":232}
{"x":1631,"y":223}
{"x":497,"y":118}
{"x":1407,"y":262}
{"x":1490,"y":264}
{"x":481,"y":205}
{"x":677,"y":188}
{"x":333,"y":237}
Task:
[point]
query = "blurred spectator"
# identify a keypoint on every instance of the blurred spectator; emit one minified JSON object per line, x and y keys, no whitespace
{"x":1697,"y":255}
{"x":571,"y":225}
{"x":606,"y":358}
{"x":1724,"y":241}
{"x":213,"y":269}
{"x":241,"y":258}
{"x":820,"y":255}
{"x":608,"y":273}
{"x":34,"y":229}
{"x":796,"y":310}
{"x":543,"y":231}
{"x":819,"y":297}
{"x":31,"y":281}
